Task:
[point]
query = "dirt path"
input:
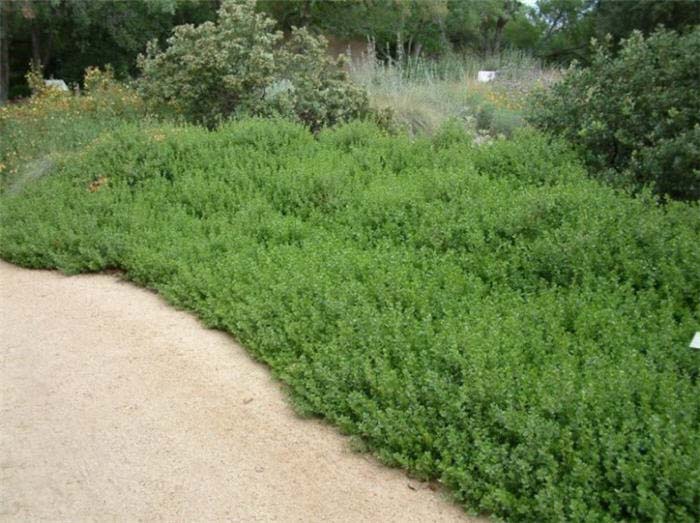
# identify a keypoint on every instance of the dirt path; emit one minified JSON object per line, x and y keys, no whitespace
{"x":114,"y":406}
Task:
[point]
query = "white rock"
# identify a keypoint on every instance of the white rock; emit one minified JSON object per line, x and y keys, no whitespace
{"x":486,"y":76}
{"x":56,"y":84}
{"x":695,"y":343}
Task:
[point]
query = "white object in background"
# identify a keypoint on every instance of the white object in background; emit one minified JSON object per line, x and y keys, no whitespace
{"x":695,"y":343}
{"x":486,"y":76}
{"x":56,"y":84}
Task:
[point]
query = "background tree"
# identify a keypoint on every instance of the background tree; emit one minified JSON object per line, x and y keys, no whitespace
{"x":524,"y":30}
{"x":400,"y":27}
{"x":569,"y":25}
{"x":566,"y":29}
{"x":4,"y":52}
{"x":67,"y":36}
{"x":619,"y":18}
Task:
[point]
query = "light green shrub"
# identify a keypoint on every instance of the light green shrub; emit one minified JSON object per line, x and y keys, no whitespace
{"x":240,"y":65}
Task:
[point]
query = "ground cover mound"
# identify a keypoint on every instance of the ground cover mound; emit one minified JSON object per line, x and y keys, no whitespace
{"x":487,"y":316}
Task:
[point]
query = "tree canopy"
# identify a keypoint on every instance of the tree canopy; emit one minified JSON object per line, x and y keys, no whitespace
{"x":67,"y":36}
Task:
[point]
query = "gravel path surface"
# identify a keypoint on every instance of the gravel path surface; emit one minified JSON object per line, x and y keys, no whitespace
{"x":114,"y":406}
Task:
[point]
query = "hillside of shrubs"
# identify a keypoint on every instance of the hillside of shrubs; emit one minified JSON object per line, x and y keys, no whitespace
{"x":503,"y":308}
{"x":484,"y":315}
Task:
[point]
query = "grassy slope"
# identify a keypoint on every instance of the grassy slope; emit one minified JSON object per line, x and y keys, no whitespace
{"x":487,"y":316}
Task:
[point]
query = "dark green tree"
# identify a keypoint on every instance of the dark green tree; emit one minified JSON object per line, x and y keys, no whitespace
{"x":66,"y":36}
{"x":569,"y":25}
{"x":4,"y":52}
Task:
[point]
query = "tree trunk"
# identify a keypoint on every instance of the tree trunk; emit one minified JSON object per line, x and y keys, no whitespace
{"x":46,"y":51}
{"x":4,"y":51}
{"x":417,"y":49}
{"x":36,"y":43}
{"x":498,"y":36}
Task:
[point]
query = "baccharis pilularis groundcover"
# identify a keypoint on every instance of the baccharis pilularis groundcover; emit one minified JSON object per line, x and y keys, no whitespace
{"x":487,"y":316}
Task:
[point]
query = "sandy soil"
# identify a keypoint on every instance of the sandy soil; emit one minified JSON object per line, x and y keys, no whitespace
{"x":115,"y":406}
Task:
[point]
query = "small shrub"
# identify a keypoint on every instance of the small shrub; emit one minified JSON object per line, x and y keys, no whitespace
{"x":240,"y":65}
{"x":505,"y":122}
{"x":450,"y":133}
{"x":35,"y":79}
{"x":484,"y":117}
{"x":634,"y":116}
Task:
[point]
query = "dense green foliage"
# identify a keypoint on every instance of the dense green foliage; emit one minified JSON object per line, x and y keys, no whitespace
{"x":431,"y":27}
{"x":566,"y":27}
{"x":635,"y":116}
{"x":488,"y":316}
{"x":558,"y":30}
{"x":241,"y":65}
{"x":67,"y":36}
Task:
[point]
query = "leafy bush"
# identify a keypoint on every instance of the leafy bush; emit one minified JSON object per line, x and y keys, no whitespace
{"x":240,"y":65}
{"x":634,"y":116}
{"x":486,"y":316}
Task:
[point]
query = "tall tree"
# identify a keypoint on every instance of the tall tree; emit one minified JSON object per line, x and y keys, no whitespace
{"x":620,"y":17}
{"x":67,"y":36}
{"x":481,"y":25}
{"x":569,"y":25}
{"x":4,"y":51}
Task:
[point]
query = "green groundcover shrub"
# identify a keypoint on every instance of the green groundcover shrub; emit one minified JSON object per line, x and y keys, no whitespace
{"x":635,"y":116}
{"x":240,"y":65}
{"x":486,"y":316}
